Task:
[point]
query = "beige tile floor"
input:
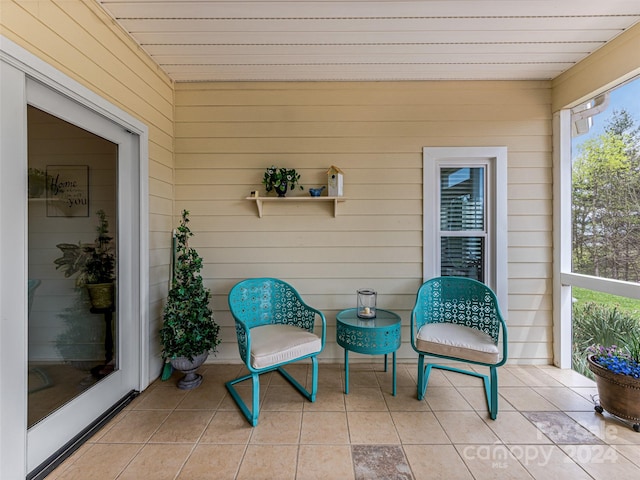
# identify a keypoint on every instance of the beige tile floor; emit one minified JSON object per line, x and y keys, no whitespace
{"x":546,"y":428}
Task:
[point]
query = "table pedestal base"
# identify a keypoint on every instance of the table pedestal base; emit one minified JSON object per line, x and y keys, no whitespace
{"x":346,"y":371}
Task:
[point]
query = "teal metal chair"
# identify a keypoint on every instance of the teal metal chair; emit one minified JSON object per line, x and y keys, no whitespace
{"x":457,"y":318}
{"x":274,"y":328}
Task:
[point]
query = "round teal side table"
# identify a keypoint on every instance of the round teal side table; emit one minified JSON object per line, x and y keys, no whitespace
{"x":373,"y":336}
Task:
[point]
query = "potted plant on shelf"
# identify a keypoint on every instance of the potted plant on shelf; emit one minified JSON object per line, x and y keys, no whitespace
{"x":617,"y":373}
{"x":189,"y":331}
{"x":94,"y":262}
{"x":280,"y":180}
{"x":37,"y":182}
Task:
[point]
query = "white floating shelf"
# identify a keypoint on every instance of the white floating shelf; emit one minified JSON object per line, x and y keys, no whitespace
{"x":261,"y":200}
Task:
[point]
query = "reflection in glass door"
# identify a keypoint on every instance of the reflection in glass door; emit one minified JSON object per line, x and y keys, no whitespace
{"x":72,"y":246}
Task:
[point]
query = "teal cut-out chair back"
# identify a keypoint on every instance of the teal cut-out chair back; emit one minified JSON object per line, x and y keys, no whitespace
{"x":459,"y":300}
{"x":265,"y":301}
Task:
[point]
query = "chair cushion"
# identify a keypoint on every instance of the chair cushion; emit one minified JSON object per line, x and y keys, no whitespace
{"x":274,"y":344}
{"x":457,"y":341}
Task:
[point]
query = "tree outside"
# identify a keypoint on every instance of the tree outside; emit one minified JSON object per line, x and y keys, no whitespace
{"x":606,"y":201}
{"x":606,"y":225}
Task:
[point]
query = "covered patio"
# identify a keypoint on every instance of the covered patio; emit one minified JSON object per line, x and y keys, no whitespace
{"x":546,"y":428}
{"x":207,"y":94}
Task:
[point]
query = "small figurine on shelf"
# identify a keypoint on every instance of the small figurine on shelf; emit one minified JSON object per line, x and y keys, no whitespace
{"x":316,"y":192}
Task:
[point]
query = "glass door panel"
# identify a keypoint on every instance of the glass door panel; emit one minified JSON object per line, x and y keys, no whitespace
{"x":72,"y":193}
{"x":87,"y":357}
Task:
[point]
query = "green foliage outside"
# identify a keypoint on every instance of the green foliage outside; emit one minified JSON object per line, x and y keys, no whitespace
{"x":189,"y":328}
{"x":606,"y":202}
{"x":598,"y":319}
{"x":606,"y":235}
{"x":626,"y":305}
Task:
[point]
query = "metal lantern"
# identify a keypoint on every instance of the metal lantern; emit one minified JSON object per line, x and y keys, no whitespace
{"x":367,"y":303}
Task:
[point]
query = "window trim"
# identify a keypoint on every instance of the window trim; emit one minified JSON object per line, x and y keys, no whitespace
{"x":495,"y":158}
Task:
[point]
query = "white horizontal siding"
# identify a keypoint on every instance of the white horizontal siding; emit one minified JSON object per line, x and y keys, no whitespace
{"x":227,"y":134}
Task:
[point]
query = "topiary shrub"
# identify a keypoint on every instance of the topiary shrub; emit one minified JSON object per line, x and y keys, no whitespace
{"x":189,"y":327}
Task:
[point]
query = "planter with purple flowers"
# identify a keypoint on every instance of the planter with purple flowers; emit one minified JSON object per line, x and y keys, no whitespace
{"x":618,"y":380}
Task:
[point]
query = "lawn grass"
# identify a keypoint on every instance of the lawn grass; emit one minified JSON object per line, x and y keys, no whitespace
{"x":630,"y":306}
{"x":599,"y":323}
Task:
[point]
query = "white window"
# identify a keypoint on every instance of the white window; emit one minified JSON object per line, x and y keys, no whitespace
{"x":465,"y":215}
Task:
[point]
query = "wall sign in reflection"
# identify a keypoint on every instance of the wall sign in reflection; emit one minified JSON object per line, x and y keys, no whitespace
{"x":67,"y":191}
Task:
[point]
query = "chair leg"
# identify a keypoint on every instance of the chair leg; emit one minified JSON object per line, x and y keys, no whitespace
{"x":421,"y":386}
{"x":255,"y":395}
{"x":491,"y":391}
{"x":490,"y":382}
{"x":314,"y":378}
{"x":311,"y":396}
{"x":423,"y":376}
{"x":493,"y":402}
{"x":251,"y":415}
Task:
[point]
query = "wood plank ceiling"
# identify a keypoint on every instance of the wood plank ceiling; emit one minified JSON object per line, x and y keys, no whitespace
{"x":289,"y":40}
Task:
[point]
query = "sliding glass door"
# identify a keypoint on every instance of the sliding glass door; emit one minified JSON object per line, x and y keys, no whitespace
{"x":72,"y":175}
{"x":73,"y":194}
{"x":81,"y":346}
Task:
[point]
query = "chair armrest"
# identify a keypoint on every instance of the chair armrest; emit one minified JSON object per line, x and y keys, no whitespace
{"x":505,"y":341}
{"x":324,"y":324}
{"x":417,"y":321}
{"x":312,"y":312}
{"x":244,"y":341}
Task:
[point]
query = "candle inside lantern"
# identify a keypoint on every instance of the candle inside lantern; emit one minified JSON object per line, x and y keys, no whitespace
{"x":366,"y":303}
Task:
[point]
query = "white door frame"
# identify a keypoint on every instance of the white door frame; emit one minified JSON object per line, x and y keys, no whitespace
{"x":16,"y":65}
